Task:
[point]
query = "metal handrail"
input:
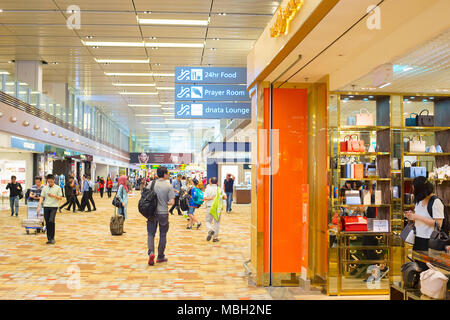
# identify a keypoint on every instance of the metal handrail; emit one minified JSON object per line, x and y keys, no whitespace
{"x":19,"y":104}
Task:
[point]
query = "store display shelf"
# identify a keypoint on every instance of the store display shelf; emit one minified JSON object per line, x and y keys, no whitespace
{"x":372,"y":233}
{"x":364,"y":205}
{"x":396,"y":171}
{"x":430,"y":179}
{"x":407,"y":129}
{"x":363,"y":128}
{"x":365,"y":153}
{"x":382,"y":247}
{"x":366,"y":179}
{"x":384,"y":261}
{"x":427,"y":154}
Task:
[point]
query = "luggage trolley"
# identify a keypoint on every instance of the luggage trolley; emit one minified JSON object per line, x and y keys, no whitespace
{"x":35,"y":220}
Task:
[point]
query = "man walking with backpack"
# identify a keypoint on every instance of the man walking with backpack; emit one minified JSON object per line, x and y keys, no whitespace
{"x":213,"y":197}
{"x":176,"y":184}
{"x":165,"y":198}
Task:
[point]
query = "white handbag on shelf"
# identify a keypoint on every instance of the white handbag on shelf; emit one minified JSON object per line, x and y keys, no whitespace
{"x":364,"y":119}
{"x":377,"y":197}
{"x":433,"y":283}
{"x":432,"y":149}
{"x":417,"y":145}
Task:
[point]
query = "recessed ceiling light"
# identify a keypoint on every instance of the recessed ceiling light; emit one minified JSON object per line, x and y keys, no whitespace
{"x":370,"y":97}
{"x":212,"y":49}
{"x":55,"y":62}
{"x":222,"y":14}
{"x":89,"y":37}
{"x":216,"y":39}
{"x":408,"y":69}
{"x":95,"y":47}
{"x":122,"y":60}
{"x":384,"y":85}
{"x":143,"y":44}
{"x":147,"y":12}
{"x":157,"y":64}
{"x":1,"y":10}
{"x":174,"y":22}
{"x":152,"y":38}
{"x":431,"y":98}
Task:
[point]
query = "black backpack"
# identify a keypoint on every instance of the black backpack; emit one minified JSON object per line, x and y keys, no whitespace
{"x":411,"y":274}
{"x":149,"y":202}
{"x":184,"y":201}
{"x":445,"y":223}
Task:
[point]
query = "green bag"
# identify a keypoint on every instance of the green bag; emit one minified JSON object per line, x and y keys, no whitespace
{"x":217,"y":205}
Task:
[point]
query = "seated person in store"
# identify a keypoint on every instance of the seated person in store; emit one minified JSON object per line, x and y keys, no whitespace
{"x":424,"y":223}
{"x":35,"y":191}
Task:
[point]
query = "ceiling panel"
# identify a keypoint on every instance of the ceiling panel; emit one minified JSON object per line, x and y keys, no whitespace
{"x":173,"y":5}
{"x":180,"y":32}
{"x":238,"y":21}
{"x":234,"y":33}
{"x":40,"y":30}
{"x":109,"y":32}
{"x":101,"y":5}
{"x":109,"y":18}
{"x":27,"y":5}
{"x":246,"y":6}
{"x":32,"y":18}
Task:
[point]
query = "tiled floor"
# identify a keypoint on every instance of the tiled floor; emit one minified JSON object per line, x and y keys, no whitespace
{"x":88,"y":263}
{"x":116,"y":267}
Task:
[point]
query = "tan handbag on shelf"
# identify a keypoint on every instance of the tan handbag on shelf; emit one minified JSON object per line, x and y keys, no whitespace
{"x":417,"y":145}
{"x":356,"y":145}
{"x":364,"y":119}
{"x":433,"y":283}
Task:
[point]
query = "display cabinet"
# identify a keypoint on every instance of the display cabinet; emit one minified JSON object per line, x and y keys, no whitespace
{"x":359,"y":261}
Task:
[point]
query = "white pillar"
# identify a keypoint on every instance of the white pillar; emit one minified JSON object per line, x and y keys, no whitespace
{"x":30,"y":72}
{"x":58,"y":91}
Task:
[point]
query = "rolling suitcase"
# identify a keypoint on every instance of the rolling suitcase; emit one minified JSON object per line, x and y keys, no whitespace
{"x":116,"y":224}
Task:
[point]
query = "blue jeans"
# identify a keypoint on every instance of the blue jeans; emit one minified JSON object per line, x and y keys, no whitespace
{"x":14,"y":204}
{"x":229,"y":200}
{"x":191,"y":210}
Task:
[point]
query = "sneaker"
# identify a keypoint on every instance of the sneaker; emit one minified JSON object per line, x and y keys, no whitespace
{"x":17,"y":215}
{"x":48,"y":242}
{"x":151,"y":259}
{"x":188,"y":228}
{"x":171,"y":212}
{"x":215,"y":240}
{"x":64,"y":209}
{"x":59,"y":210}
{"x":199,"y":225}
{"x":160,"y":260}
{"x":210,"y":234}
{"x":52,"y":241}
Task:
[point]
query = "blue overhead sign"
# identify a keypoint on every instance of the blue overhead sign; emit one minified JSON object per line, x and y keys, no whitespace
{"x":185,"y":92}
{"x":210,"y":75}
{"x":27,"y":144}
{"x":212,"y":110}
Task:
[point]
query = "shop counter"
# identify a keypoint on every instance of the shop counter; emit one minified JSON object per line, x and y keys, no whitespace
{"x":439,"y":259}
{"x":242,"y":195}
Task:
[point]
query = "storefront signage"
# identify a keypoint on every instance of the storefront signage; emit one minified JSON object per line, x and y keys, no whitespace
{"x":247,"y":166}
{"x":212,"y":110}
{"x":210,"y":75}
{"x":27,"y":144}
{"x":211,"y":92}
{"x":160,"y":158}
{"x":284,"y":18}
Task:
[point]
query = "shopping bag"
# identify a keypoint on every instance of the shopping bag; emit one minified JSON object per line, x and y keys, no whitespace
{"x":356,"y":145}
{"x":345,"y":144}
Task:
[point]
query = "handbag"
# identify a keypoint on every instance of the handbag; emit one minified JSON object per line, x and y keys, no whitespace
{"x":408,"y":233}
{"x":352,"y":197}
{"x":411,"y":122}
{"x":438,"y":149}
{"x":358,"y":171}
{"x":433,"y":283}
{"x":438,"y":239}
{"x":425,"y":120}
{"x":408,"y":198}
{"x":356,"y":223}
{"x":356,"y":145}
{"x":351,"y":120}
{"x":364,"y":119}
{"x":116,"y":201}
{"x":432,"y":149}
{"x":417,"y":145}
{"x":411,"y":274}
{"x":344,"y":144}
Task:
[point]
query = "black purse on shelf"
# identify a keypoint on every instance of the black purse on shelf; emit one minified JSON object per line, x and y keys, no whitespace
{"x":411,"y":274}
{"x":425,"y":120}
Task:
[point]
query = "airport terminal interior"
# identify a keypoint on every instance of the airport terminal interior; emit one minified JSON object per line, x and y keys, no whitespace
{"x":224,"y":150}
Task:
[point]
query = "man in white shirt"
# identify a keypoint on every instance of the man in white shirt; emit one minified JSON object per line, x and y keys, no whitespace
{"x":210,"y":194}
{"x":50,"y":196}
